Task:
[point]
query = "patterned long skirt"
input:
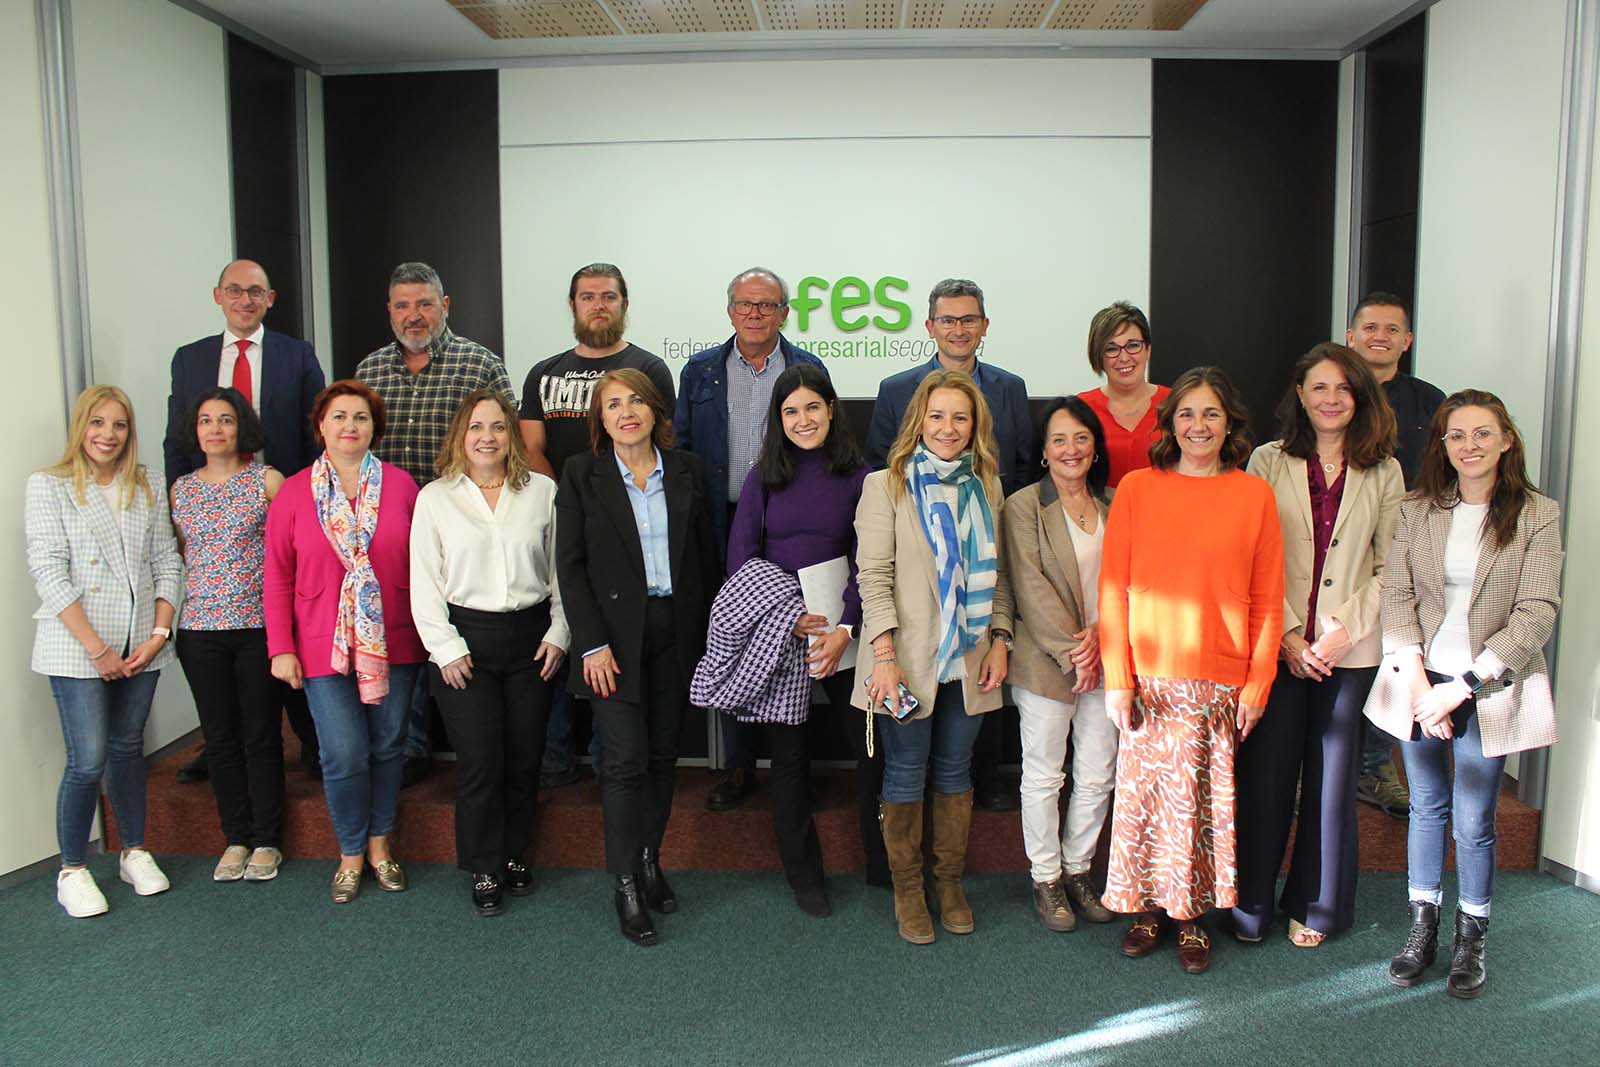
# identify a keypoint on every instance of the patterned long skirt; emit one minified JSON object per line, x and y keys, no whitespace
{"x":1172,"y":837}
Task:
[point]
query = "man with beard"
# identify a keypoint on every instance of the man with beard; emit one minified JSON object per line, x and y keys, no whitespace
{"x":425,"y":372}
{"x":422,"y":376}
{"x":554,"y":417}
{"x":554,"y":420}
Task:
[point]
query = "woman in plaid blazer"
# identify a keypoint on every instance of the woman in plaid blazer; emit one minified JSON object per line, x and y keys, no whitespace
{"x":1470,"y":592}
{"x":103,"y":559}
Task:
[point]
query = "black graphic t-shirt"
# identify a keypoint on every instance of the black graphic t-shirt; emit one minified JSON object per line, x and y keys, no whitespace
{"x":558,"y":390}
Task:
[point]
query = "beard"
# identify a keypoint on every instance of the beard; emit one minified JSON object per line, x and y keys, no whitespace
{"x":427,"y":345}
{"x":600,"y":334}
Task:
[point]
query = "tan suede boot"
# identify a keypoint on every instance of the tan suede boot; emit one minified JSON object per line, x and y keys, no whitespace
{"x":902,"y":839}
{"x":952,"y":818}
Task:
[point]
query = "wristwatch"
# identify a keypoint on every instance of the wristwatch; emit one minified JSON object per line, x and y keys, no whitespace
{"x":1004,"y":637}
{"x":849,"y":631}
{"x":1471,"y":680}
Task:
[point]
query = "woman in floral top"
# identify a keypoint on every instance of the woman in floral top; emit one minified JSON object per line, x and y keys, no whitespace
{"x":221,"y":514}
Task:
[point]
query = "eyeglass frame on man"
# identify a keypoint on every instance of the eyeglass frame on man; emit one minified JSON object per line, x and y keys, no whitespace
{"x":765,"y":307}
{"x":255,"y":292}
{"x":950,"y":322}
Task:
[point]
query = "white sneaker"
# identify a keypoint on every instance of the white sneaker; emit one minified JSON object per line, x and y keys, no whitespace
{"x":77,"y":894}
{"x":138,"y":868}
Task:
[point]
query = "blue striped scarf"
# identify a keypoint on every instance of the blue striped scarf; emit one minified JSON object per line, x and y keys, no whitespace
{"x":956,"y":519}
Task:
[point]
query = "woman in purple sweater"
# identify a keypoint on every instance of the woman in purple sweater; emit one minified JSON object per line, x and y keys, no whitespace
{"x":798,"y":509}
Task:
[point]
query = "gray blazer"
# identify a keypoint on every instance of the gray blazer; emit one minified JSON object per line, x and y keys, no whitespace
{"x":1515,"y":594}
{"x":1047,"y":589}
{"x":118,"y":570}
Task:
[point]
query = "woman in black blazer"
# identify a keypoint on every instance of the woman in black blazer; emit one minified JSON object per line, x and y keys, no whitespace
{"x":637,"y":567}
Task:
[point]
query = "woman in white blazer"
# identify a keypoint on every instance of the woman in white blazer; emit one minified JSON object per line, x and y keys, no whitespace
{"x":106,"y":566}
{"x":1338,"y":488}
{"x":1470,"y":593}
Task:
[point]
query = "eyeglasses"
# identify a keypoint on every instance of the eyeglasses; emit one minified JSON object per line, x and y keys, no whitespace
{"x":1481,"y":436}
{"x":746,"y":307}
{"x":1133,"y":348}
{"x":255,"y":292}
{"x":967,"y":322}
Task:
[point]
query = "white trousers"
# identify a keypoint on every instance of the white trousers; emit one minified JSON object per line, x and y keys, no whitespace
{"x":1046,"y":726}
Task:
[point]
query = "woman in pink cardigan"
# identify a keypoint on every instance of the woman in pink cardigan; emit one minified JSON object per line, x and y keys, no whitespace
{"x":339,"y":622}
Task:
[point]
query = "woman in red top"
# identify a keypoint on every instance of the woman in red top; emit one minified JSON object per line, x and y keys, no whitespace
{"x":1119,"y":348}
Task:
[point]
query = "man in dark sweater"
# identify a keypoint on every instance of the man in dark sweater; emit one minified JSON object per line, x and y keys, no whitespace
{"x":1380,"y":332}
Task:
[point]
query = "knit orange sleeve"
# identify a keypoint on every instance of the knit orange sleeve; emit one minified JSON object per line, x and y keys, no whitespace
{"x":1116,"y":653}
{"x":1266,"y":601}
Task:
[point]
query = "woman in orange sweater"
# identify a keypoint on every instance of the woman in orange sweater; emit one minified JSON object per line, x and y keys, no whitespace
{"x":1191,"y":609}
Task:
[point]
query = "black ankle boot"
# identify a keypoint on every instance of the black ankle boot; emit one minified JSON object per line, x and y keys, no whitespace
{"x":486,"y":898}
{"x":1422,"y":943}
{"x":1467,"y":975}
{"x":653,"y":883}
{"x":632,"y":914}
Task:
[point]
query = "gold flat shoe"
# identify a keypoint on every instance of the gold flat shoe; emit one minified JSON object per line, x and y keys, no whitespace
{"x":230,"y":868}
{"x":346,"y":884}
{"x":263,"y":865}
{"x":391,"y":879}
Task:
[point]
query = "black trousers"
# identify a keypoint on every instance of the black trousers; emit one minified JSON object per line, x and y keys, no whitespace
{"x":496,"y":725}
{"x":231,"y":679}
{"x":1311,"y":732}
{"x":793,"y":805}
{"x":639,"y":746}
{"x":869,"y":771}
{"x":298,"y":712}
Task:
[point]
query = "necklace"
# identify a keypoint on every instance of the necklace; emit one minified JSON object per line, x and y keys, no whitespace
{"x":490,"y":485}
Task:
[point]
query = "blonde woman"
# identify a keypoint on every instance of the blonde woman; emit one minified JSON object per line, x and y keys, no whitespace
{"x":936,"y":611}
{"x":106,"y":567}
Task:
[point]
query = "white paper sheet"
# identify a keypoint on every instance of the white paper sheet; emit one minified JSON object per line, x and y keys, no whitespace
{"x":822,"y":586}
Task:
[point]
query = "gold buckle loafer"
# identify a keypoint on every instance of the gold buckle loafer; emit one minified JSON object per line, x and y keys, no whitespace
{"x":346,"y":884}
{"x":391,"y":879}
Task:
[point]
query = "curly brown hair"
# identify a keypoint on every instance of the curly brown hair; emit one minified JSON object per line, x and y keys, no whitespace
{"x":1165,"y":453}
{"x":1370,"y":437}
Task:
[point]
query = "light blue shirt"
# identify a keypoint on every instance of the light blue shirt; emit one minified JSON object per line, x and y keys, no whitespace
{"x":650,"y":516}
{"x":749,"y":396}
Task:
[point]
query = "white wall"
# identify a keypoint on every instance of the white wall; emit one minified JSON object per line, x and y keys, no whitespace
{"x":1031,"y":177}
{"x":157,"y":214}
{"x":1491,"y":131}
{"x":320,"y":283}
{"x":31,"y":433}
{"x":1572,"y":806}
{"x":1343,"y":193}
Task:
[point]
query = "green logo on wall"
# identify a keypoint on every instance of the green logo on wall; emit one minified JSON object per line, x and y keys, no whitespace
{"x":848,"y":300}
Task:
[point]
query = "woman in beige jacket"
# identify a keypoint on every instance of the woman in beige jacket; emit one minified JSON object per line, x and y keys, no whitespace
{"x":936,"y":611}
{"x":1338,"y":489}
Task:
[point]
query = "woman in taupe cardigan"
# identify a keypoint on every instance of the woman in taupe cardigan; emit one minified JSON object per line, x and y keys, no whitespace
{"x":1054,"y":531}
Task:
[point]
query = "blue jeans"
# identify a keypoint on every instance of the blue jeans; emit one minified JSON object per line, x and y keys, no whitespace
{"x":1377,"y":748}
{"x":417,"y":739}
{"x":103,"y":726}
{"x":1468,"y":803}
{"x":943,"y":739}
{"x":363,"y":752}
{"x":558,"y":750}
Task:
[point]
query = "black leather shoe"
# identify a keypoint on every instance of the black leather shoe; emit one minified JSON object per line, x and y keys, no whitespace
{"x":814,"y":902}
{"x":486,"y":899}
{"x":731,"y":791}
{"x":517,"y":879}
{"x":417,"y":768}
{"x":1467,"y":974}
{"x":1407,"y":968}
{"x":653,"y":883}
{"x":196,"y":770}
{"x":632,"y":914}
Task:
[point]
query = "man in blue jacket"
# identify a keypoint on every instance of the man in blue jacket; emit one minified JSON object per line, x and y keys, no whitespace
{"x":721,"y":415}
{"x":280,"y":376}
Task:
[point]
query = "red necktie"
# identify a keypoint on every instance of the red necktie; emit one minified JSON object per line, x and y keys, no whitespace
{"x":241,"y":382}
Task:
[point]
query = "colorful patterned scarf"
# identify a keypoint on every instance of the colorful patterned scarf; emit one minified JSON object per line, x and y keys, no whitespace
{"x":959,"y":526}
{"x":360,"y":619}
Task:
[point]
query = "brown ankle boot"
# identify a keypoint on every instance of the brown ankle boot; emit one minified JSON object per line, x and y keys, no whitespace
{"x":952,"y":818}
{"x":902,"y":839}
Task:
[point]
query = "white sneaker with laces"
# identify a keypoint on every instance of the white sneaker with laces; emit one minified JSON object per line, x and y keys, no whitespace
{"x":138,"y":868}
{"x":78,"y":895}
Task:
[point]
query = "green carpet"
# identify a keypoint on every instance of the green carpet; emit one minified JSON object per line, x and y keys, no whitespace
{"x":274,"y":974}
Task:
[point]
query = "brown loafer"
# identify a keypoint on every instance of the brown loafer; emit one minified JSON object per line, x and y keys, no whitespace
{"x":391,"y":879}
{"x":346,"y":884}
{"x":1143,"y":936}
{"x":1194,"y":948}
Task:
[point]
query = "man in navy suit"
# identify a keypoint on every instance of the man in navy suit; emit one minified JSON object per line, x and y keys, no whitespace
{"x":721,"y":416}
{"x":280,"y":376}
{"x":957,"y":324}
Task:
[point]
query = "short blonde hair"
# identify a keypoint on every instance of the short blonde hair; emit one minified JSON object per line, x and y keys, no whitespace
{"x":452,"y":459}
{"x":984,"y":463}
{"x":74,"y":462}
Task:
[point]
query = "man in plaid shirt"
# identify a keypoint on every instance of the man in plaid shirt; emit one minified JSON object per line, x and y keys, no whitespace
{"x":422,"y":378}
{"x":424,"y":374}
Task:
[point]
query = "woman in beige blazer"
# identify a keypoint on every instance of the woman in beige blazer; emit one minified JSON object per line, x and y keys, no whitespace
{"x":1470,"y":593}
{"x":106,"y":566}
{"x":1338,"y":488}
{"x":1054,"y":532}
{"x":936,"y":611}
